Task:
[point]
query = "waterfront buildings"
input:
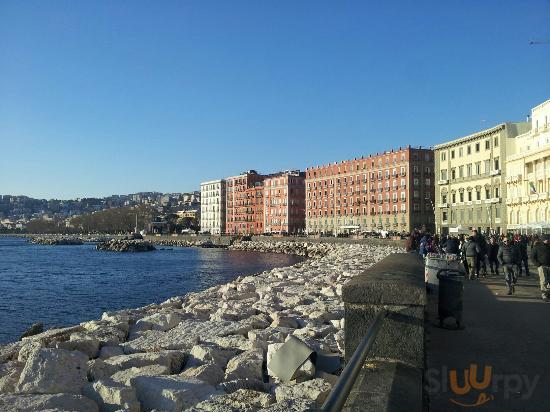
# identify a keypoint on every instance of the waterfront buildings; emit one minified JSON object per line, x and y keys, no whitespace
{"x":390,"y":191}
{"x":471,"y":179}
{"x":284,"y":203}
{"x":528,"y":175}
{"x":213,"y":207}
{"x":244,"y":203}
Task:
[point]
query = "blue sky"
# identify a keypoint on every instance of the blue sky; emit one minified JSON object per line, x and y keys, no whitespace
{"x":105,"y":97}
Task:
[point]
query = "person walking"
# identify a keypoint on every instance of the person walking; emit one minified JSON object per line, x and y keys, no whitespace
{"x":492,"y":254}
{"x":541,"y":258}
{"x":523,"y":256}
{"x":471,"y":251}
{"x":481,"y":267}
{"x":507,"y":258}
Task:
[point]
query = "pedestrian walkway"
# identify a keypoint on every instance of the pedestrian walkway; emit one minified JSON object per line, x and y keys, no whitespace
{"x":507,"y":337}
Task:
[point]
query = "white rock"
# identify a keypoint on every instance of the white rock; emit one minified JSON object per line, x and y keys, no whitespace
{"x":9,"y":376}
{"x":241,"y":400}
{"x":27,"y":349}
{"x":204,"y":353}
{"x":209,"y":372}
{"x":109,"y":351}
{"x":246,"y":365}
{"x":171,"y":393}
{"x":81,"y":342}
{"x":55,"y":402}
{"x":171,"y":359}
{"x":124,"y":376}
{"x":315,"y":389}
{"x":292,"y":405}
{"x":53,"y":371}
{"x":281,"y":320}
{"x":112,"y":396}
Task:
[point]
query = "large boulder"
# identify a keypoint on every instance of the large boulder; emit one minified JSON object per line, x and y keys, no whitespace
{"x":53,"y":371}
{"x":81,"y":342}
{"x":9,"y":376}
{"x":209,"y":372}
{"x":204,"y":353}
{"x":124,"y":376}
{"x":315,"y":389}
{"x":245,"y":400}
{"x":246,"y":365}
{"x":51,"y":402}
{"x":171,"y":393}
{"x":112,"y":396}
{"x":171,"y":359}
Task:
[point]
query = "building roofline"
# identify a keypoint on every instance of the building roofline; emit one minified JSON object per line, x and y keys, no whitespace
{"x":213,"y":181}
{"x":473,"y":136}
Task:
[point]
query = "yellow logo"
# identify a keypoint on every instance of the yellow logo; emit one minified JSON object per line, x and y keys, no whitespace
{"x":471,"y":383}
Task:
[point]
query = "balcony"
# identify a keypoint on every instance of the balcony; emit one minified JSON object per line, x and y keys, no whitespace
{"x":495,"y":200}
{"x":444,"y":222}
{"x":453,"y":204}
{"x":497,"y":219}
{"x":442,"y":182}
{"x":469,"y":203}
{"x":477,"y":202}
{"x":443,"y":205}
{"x":495,"y":172}
{"x":487,"y":200}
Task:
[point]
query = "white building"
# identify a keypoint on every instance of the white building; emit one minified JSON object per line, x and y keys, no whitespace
{"x":213,"y":207}
{"x":528,"y":175}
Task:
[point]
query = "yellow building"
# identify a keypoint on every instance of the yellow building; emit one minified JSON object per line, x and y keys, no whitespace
{"x":528,"y":176}
{"x":470,"y":188}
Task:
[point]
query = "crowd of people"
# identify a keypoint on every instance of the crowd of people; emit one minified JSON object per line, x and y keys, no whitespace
{"x":495,"y":253}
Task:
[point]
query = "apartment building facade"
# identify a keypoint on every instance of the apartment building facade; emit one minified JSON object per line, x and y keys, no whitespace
{"x":284,"y":203}
{"x":528,"y":176}
{"x":244,"y":204}
{"x":213,"y":207}
{"x":471,"y":188}
{"x":391,"y":191}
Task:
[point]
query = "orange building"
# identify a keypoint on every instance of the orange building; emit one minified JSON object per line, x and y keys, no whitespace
{"x":391,"y":191}
{"x":244,"y":204}
{"x":284,"y":203}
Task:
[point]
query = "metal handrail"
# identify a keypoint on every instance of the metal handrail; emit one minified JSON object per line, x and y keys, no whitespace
{"x":340,"y":392}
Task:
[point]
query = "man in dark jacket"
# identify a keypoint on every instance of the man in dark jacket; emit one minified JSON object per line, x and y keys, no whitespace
{"x":471,"y":251}
{"x":507,"y":258}
{"x":523,"y":256}
{"x":541,"y":258}
{"x":451,"y":246}
{"x":492,"y":253}
{"x":480,"y":240}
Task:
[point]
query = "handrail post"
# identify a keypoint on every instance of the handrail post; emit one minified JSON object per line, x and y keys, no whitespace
{"x":340,"y":392}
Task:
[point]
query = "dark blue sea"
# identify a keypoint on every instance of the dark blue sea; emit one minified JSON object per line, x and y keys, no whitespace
{"x":66,"y":285}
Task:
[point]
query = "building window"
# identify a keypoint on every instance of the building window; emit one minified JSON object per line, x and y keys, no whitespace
{"x":487,"y":144}
{"x":444,"y":216}
{"x":428,"y":182}
{"x":444,"y":174}
{"x":478,"y":194}
{"x":497,"y":192}
{"x":487,"y":193}
{"x":497,"y":164}
{"x":495,"y":143}
{"x":443,"y":156}
{"x":477,"y":147}
{"x":469,"y":196}
{"x":478,"y":168}
{"x":453,"y":174}
{"x":460,"y":171}
{"x":452,"y":154}
{"x":468,"y":150}
{"x":460,"y":152}
{"x":461,"y":196}
{"x":453,"y":197}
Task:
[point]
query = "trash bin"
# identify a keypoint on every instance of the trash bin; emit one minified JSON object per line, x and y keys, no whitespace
{"x":434,"y":264}
{"x":451,"y":287}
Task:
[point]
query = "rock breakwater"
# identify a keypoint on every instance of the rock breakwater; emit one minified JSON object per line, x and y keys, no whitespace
{"x":47,"y":240}
{"x":290,"y":248}
{"x":119,"y":245}
{"x":220,"y":349}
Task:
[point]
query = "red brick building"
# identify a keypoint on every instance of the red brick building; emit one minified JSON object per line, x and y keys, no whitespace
{"x":284,"y":203}
{"x":244,"y":203}
{"x":391,"y":191}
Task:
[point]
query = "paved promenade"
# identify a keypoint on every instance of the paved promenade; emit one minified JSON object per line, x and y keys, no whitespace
{"x":509,"y":334}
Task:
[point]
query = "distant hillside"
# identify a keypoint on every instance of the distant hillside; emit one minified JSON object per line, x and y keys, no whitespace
{"x":114,"y":220}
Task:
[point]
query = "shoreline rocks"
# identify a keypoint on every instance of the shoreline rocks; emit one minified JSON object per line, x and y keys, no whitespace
{"x":116,"y":245}
{"x":204,"y":351}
